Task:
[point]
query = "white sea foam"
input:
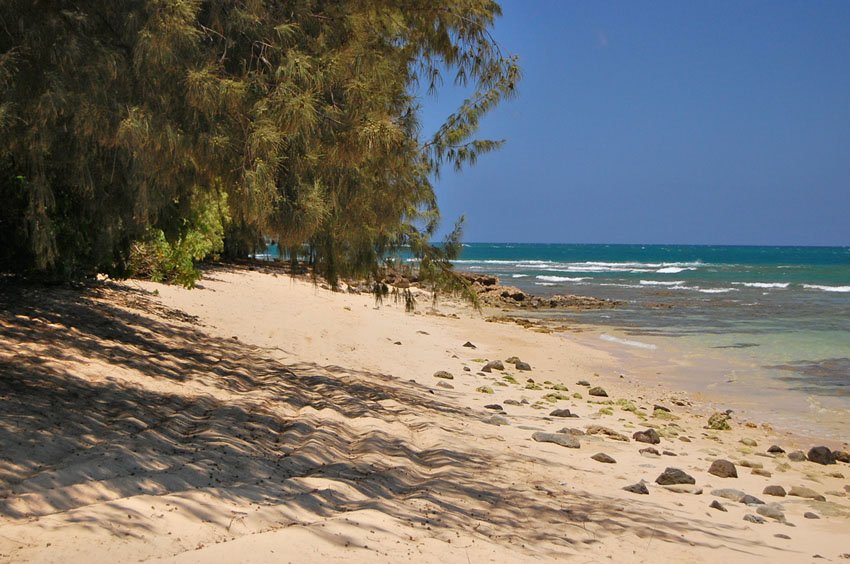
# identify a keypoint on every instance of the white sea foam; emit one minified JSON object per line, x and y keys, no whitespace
{"x":638,"y":344}
{"x":661,"y":282}
{"x":479,"y":261}
{"x":579,"y":268}
{"x":587,"y":266}
{"x":561,"y":278}
{"x":715,"y":290}
{"x":544,"y":283}
{"x":519,"y":275}
{"x":842,"y":289}
{"x":673,"y":269}
{"x":762,"y":284}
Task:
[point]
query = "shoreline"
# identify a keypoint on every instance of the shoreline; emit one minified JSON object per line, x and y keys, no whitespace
{"x":261,"y":415}
{"x":721,"y":379}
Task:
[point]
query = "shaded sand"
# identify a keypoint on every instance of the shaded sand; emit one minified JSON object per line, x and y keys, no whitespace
{"x":260,"y":418}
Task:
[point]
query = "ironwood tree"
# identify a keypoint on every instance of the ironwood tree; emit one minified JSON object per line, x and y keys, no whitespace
{"x":197,"y":127}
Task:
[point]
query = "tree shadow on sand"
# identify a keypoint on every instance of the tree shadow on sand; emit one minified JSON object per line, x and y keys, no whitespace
{"x":105,"y":394}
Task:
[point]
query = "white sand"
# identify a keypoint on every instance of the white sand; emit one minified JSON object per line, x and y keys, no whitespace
{"x":285,"y":423}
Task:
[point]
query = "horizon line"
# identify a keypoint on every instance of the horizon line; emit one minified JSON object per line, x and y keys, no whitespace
{"x":847,"y":246}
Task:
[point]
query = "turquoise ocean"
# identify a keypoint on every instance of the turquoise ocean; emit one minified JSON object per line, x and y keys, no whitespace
{"x":769,"y":322}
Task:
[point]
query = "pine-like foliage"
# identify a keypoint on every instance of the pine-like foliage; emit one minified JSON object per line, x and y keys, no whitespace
{"x":118,"y":116}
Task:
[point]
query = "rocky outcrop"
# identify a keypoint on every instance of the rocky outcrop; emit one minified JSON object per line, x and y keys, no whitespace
{"x":491,"y":293}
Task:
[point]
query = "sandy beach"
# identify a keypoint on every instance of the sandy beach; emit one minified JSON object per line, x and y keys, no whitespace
{"x":262,"y":418}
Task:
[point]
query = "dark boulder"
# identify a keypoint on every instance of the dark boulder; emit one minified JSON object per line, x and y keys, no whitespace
{"x":723,"y":469}
{"x":493,"y":365}
{"x":639,"y":488}
{"x":672,"y":476}
{"x":649,"y":436}
{"x":821,"y":455}
{"x":777,"y":491}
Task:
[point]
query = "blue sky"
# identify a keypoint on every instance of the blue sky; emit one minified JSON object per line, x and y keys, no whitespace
{"x":664,"y":122}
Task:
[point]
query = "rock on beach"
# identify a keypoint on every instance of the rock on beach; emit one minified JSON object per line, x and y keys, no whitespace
{"x":672,"y":476}
{"x":723,"y":469}
{"x":649,"y":436}
{"x":821,"y":455}
{"x":565,"y":440}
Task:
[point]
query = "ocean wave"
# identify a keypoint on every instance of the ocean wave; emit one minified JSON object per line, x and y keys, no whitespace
{"x":519,"y":276}
{"x":578,"y":269}
{"x":842,"y":289}
{"x":714,"y":290}
{"x":627,"y":342}
{"x":673,"y":269}
{"x":620,"y":285}
{"x":540,"y":265}
{"x":762,"y":284}
{"x":584,"y":267}
{"x":679,"y":286}
{"x":661,"y":282}
{"x":561,"y":278}
{"x":544,"y":283}
{"x":481,"y":261}
{"x":632,"y":264}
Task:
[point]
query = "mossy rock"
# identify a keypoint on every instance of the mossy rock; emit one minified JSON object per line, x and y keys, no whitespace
{"x":627,"y":405}
{"x":560,"y":387}
{"x":606,"y":411}
{"x":719,"y":422}
{"x":664,"y":415}
{"x":484,"y":389}
{"x":577,"y":396}
{"x":533,"y":386}
{"x":510,"y":379}
{"x":598,"y":391}
{"x":498,"y":383}
{"x":668,"y":433}
{"x":555,"y":396}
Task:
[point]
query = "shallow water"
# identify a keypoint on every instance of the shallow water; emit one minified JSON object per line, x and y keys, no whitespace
{"x":769,"y":323}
